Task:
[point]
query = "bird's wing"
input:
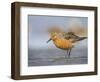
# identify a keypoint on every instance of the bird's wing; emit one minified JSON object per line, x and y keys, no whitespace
{"x":70,"y":35}
{"x":73,"y":37}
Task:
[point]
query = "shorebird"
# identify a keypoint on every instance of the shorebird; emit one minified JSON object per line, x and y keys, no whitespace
{"x":64,"y":40}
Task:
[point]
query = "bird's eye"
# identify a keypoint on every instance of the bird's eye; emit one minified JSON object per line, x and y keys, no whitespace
{"x":53,"y":33}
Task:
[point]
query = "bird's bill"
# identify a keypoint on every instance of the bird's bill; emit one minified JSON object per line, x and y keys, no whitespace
{"x":49,"y":40}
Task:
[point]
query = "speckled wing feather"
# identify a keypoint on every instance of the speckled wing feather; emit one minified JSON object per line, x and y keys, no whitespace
{"x":72,"y":36}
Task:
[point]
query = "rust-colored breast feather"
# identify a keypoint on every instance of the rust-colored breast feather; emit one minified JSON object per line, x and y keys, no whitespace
{"x":63,"y":43}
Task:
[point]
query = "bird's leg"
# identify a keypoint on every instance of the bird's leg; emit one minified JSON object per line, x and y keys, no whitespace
{"x":69,"y":52}
{"x":67,"y":55}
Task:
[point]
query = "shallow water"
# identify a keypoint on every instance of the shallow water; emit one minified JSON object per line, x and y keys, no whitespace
{"x":56,"y":57}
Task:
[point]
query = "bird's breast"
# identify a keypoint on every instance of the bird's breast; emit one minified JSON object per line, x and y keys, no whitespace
{"x":63,"y":43}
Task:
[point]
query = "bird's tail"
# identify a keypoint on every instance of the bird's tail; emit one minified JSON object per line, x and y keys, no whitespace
{"x":81,"y":38}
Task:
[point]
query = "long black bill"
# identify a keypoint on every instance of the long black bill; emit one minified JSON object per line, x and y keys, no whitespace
{"x":49,"y":40}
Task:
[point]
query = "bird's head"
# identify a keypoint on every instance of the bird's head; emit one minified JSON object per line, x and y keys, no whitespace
{"x":54,"y":32}
{"x":53,"y":36}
